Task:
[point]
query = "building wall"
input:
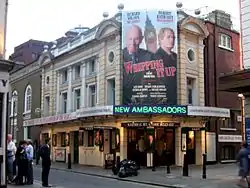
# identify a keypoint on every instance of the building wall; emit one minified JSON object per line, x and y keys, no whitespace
{"x":245,"y":30}
{"x":219,"y":61}
{"x":19,"y":81}
{"x":28,"y":52}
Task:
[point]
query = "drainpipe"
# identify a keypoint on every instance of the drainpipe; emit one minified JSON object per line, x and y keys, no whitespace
{"x":216,"y":86}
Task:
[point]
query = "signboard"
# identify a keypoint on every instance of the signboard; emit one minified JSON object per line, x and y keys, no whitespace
{"x":247,"y":124}
{"x":3,"y":19}
{"x":229,"y":138}
{"x":149,"y":57}
{"x":95,"y":111}
{"x":150,"y":124}
{"x":50,"y":119}
{"x":153,"y":109}
{"x":60,"y":155}
{"x":208,"y":111}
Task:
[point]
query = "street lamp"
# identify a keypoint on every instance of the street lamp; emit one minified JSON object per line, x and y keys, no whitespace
{"x":243,"y":125}
{"x":13,"y":127}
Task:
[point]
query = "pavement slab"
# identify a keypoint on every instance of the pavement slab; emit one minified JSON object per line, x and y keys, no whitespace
{"x":217,"y":176}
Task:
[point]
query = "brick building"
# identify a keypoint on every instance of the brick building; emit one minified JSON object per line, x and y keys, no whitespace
{"x":222,"y":55}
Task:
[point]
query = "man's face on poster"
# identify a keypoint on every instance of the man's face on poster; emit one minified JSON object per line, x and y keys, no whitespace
{"x":168,"y":40}
{"x":133,"y":39}
{"x":150,"y":137}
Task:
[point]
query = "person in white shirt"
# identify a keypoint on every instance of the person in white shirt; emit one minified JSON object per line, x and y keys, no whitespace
{"x":30,"y":154}
{"x":11,"y":151}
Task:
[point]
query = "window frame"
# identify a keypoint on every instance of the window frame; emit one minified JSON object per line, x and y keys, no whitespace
{"x":14,"y":93}
{"x":64,"y":108}
{"x":91,"y":94}
{"x":227,"y":39}
{"x":75,"y":98}
{"x":28,"y":99}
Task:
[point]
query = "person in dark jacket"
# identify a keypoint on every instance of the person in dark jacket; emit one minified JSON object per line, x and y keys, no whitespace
{"x":46,"y":162}
{"x":22,"y":163}
{"x":243,"y":159}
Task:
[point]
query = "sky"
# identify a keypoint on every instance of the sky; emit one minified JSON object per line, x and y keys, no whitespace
{"x":48,"y":20}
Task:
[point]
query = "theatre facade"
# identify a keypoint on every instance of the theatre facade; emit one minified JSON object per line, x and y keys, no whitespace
{"x":105,"y":101}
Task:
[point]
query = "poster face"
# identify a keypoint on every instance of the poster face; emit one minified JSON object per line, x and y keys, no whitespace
{"x":149,"y":43}
{"x":3,"y":7}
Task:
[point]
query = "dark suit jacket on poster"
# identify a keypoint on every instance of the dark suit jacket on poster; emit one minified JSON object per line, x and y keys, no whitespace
{"x":170,"y":82}
{"x":129,"y":80}
{"x":45,"y":155}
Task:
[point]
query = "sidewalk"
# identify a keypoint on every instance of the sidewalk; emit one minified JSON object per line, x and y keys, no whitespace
{"x":218,"y":176}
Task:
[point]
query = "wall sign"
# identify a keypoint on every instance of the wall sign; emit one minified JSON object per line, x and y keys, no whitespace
{"x":60,"y":155}
{"x":208,"y":111}
{"x":229,"y":138}
{"x":150,"y":124}
{"x":150,"y":109}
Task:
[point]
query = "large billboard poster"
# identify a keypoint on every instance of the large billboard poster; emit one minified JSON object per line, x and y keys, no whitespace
{"x":149,"y":57}
{"x":3,"y":11}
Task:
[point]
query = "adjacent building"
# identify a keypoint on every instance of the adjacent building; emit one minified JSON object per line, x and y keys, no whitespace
{"x":238,"y":82}
{"x":222,"y":55}
{"x":82,"y":98}
{"x":28,"y":52}
{"x":25,"y":103}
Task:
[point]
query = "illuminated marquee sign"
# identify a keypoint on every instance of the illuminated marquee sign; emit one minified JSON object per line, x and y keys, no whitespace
{"x":151,"y":109}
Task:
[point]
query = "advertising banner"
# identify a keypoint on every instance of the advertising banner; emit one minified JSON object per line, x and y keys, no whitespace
{"x":3,"y":16}
{"x":247,"y":124}
{"x":149,"y":57}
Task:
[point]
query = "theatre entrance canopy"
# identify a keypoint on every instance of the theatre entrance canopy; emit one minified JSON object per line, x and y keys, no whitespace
{"x":236,"y":82}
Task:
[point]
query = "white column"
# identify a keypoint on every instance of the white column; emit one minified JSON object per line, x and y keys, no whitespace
{"x":98,"y":82}
{"x":69,"y":97}
{"x":58,"y":93}
{"x":83,"y":88}
{"x":25,"y":133}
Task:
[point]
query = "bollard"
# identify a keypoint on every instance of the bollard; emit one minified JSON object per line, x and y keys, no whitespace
{"x":168,"y":164}
{"x":118,"y":160}
{"x":69,"y":161}
{"x":204,"y":166}
{"x":185,"y":166}
{"x":153,"y":165}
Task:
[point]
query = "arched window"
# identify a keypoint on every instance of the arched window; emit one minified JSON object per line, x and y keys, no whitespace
{"x":14,"y":102}
{"x":27,"y":99}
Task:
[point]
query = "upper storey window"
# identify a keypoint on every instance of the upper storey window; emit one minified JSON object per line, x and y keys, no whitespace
{"x":225,"y":41}
{"x":28,"y":99}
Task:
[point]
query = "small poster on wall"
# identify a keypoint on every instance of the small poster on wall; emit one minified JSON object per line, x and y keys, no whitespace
{"x":60,"y":155}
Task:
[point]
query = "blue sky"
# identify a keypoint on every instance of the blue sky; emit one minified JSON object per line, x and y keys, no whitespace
{"x":50,"y":19}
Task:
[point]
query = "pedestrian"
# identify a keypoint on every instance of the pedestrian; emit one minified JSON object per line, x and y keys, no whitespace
{"x":11,"y":151}
{"x":46,"y":162}
{"x":243,"y":160}
{"x":22,"y":163}
{"x":30,"y":154}
{"x":14,"y":163}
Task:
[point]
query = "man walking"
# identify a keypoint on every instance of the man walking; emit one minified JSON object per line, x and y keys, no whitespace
{"x":11,"y":151}
{"x":30,"y":154}
{"x":46,"y":162}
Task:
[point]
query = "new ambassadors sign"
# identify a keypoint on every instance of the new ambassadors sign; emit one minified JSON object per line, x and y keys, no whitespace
{"x":151,"y":109}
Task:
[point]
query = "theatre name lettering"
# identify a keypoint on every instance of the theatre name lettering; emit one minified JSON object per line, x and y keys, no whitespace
{"x":150,"y":124}
{"x":157,"y":109}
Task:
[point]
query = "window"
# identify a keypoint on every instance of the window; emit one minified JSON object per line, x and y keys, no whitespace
{"x":14,"y":101}
{"x":47,"y":80}
{"x":190,"y":91}
{"x":28,"y":99}
{"x":191,"y":55}
{"x":46,"y":105}
{"x":228,"y":122}
{"x":92,"y":66}
{"x":227,"y":153}
{"x":90,"y":138}
{"x":77,"y":72}
{"x":77,"y":99}
{"x":92,"y":95}
{"x":225,"y":41}
{"x":111,"y":57}
{"x":111,"y":92}
{"x":34,"y":56}
{"x":64,"y":98}
{"x":64,"y":76}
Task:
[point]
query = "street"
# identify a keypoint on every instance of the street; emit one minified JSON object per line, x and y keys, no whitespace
{"x":63,"y":179}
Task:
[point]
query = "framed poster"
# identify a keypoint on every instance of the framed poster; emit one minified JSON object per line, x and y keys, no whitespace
{"x":60,"y":155}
